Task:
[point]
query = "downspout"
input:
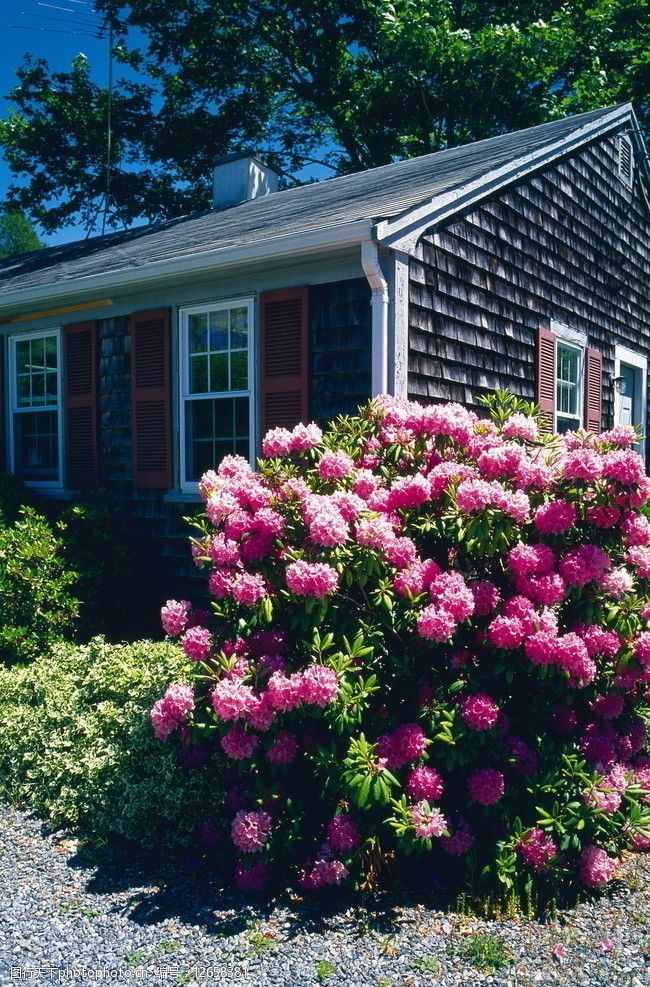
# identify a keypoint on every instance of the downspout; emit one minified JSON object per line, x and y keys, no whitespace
{"x":379,"y":305}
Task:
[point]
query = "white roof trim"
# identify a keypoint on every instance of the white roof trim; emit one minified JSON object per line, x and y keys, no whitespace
{"x":403,"y":232}
{"x":134,"y":277}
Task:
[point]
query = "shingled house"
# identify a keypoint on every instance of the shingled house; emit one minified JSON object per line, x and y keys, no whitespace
{"x":136,"y":360}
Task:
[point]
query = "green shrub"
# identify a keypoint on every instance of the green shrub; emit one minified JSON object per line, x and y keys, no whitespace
{"x":36,"y":606}
{"x":77,"y":744}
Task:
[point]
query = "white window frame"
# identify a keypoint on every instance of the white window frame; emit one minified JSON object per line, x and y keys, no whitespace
{"x":576,"y":340}
{"x":14,"y":409}
{"x":623,"y":355}
{"x":185,"y":395}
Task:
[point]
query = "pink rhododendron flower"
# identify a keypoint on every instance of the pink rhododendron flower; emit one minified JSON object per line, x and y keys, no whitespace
{"x":231,"y":699}
{"x":428,"y":822}
{"x":316,"y":579}
{"x":305,"y":437}
{"x":617,"y":582}
{"x":625,"y":466}
{"x":174,"y":616}
{"x":283,"y":749}
{"x":506,"y":632}
{"x":459,"y":842}
{"x":603,"y":517}
{"x":436,"y":624}
{"x":405,"y":743}
{"x":584,"y":564}
{"x":335,"y":465}
{"x":525,"y":560}
{"x":636,"y":530}
{"x":451,"y":593}
{"x":537,"y":850}
{"x":408,"y":492}
{"x":343,"y":834}
{"x":479,"y":711}
{"x":486,"y":786}
{"x":285,"y":692}
{"x":197,"y":643}
{"x":520,"y":426}
{"x":238,"y":744}
{"x":169,"y":712}
{"x":582,"y":464}
{"x":424,"y":784}
{"x":321,"y":874}
{"x":320,"y":685}
{"x":249,"y":588}
{"x":250,"y":831}
{"x":486,"y":596}
{"x":596,"y":867}
{"x":277,"y":442}
{"x":555,"y":517}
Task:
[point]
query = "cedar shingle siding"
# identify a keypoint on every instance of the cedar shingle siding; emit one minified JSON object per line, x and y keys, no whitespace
{"x":571,"y":243}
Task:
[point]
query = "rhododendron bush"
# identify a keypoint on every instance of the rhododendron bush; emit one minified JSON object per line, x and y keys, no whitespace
{"x":429,"y":636}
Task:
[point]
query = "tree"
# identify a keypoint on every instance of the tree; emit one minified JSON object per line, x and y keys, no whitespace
{"x":348,"y":84}
{"x":17,"y":235}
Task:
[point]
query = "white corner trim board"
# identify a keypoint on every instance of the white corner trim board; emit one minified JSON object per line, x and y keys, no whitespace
{"x":379,"y":303}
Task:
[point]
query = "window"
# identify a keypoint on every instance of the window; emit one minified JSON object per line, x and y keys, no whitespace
{"x":35,"y":407}
{"x":216,"y":385}
{"x":569,"y":387}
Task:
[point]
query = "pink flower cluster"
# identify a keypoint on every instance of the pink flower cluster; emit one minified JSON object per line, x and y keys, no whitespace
{"x":250,"y":831}
{"x":404,"y":744}
{"x":169,"y":712}
{"x":596,"y":867}
{"x":427,"y":821}
{"x":537,"y":850}
{"x":480,"y":712}
{"x":282,"y":442}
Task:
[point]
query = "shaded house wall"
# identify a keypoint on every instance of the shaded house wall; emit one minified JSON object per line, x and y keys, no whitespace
{"x":339,"y":346}
{"x":570,"y":244}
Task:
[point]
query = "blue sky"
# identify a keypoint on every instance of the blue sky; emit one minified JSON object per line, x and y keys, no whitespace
{"x":56,"y":30}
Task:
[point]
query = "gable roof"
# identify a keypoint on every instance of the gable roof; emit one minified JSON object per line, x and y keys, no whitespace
{"x":389,"y":194}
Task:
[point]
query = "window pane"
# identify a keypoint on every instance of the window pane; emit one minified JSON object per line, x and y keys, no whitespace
{"x":567,"y":425}
{"x":219,"y":330}
{"x":199,"y":375}
{"x":24,"y":390}
{"x":242,"y":420}
{"x":51,"y":390}
{"x":50,"y":352}
{"x":38,"y":355}
{"x":238,"y":328}
{"x":38,"y":389}
{"x":23,"y":358}
{"x":223,"y":419}
{"x":215,"y":428}
{"x":218,"y":372}
{"x":36,"y":445}
{"x":198,"y":333}
{"x":239,"y":371}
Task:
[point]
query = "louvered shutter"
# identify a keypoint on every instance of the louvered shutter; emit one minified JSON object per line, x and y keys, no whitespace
{"x":593,"y":390}
{"x":150,"y":392}
{"x":81,"y":401}
{"x":546,"y":377}
{"x":285,"y":358}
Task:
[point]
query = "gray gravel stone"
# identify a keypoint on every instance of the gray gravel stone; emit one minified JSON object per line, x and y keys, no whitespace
{"x":65,"y":919}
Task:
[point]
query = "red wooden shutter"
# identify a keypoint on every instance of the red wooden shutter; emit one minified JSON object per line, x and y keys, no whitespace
{"x":593,"y":390}
{"x":150,"y":391}
{"x":285,"y":358}
{"x":81,"y":400}
{"x":546,"y":376}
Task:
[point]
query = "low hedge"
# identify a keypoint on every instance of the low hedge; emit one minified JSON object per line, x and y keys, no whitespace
{"x":77,"y":744}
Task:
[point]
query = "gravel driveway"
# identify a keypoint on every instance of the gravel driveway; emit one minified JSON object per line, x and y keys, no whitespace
{"x":65,"y":918}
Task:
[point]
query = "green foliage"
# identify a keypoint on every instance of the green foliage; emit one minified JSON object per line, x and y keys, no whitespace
{"x":17,"y":236}
{"x":488,"y":953}
{"x":324,"y":969}
{"x":343,"y":85}
{"x":77,"y":744}
{"x":36,"y":604}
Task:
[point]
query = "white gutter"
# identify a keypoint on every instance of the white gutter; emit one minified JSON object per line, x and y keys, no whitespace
{"x":379,"y":304}
{"x":147,"y":274}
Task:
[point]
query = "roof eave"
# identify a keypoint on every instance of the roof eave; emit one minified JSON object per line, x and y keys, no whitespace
{"x":403,"y":232}
{"x":301,"y":243}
